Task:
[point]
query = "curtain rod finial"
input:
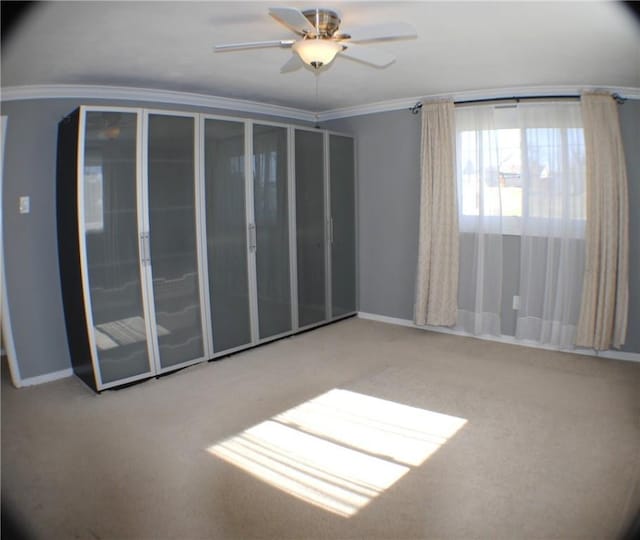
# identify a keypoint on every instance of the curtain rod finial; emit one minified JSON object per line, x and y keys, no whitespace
{"x":618,"y":98}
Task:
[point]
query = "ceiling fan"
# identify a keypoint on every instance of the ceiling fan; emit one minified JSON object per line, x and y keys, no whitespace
{"x":320,"y":41}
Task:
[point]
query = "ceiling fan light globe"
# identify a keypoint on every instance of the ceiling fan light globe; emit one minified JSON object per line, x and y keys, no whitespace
{"x":316,"y":52}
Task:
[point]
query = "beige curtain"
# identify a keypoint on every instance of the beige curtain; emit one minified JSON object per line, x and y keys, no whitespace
{"x":437,"y":275}
{"x":605,"y":296}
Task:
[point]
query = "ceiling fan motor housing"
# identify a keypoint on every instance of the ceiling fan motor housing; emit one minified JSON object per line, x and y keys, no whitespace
{"x":326,"y":21}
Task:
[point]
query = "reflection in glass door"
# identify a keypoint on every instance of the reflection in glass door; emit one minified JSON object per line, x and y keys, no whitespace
{"x":271,"y":215}
{"x":110,"y":210}
{"x":224,"y":172}
{"x":173,"y":238}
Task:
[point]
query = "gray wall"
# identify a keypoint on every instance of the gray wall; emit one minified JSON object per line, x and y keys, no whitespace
{"x":388,"y":163}
{"x":630,"y":127}
{"x":30,"y":240}
{"x":388,"y":196}
{"x":388,"y":159}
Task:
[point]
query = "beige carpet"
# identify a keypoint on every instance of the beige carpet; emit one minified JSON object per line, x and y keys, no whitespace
{"x":544,"y":445}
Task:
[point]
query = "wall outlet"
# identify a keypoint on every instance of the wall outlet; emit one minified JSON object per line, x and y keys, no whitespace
{"x":516,"y":302}
{"x":25,"y":205}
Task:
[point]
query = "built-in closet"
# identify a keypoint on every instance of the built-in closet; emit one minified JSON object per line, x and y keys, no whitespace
{"x":183,"y":237}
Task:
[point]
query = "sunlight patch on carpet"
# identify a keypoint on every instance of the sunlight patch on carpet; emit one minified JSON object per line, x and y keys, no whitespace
{"x":340,"y":450}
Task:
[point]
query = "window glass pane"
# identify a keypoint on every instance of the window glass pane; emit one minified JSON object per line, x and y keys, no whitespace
{"x":509,"y":173}
{"x":555,"y":164}
{"x":515,"y":163}
{"x":469,"y":173}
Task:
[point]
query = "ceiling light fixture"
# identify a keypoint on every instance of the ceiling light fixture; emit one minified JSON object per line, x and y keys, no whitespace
{"x":317,"y":52}
{"x":320,"y":39}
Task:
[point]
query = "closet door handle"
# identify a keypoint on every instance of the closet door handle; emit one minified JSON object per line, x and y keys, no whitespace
{"x":148,"y":246}
{"x":145,"y":256}
{"x":143,"y":247}
{"x":252,"y":237}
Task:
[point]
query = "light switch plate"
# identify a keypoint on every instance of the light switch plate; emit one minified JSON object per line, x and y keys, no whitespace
{"x":25,"y":205}
{"x":516,"y":302}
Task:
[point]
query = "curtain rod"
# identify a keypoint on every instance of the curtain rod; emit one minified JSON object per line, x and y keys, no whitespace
{"x":416,"y":108}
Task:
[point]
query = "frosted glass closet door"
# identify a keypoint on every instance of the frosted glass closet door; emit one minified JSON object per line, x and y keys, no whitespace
{"x":110,"y":210}
{"x":343,"y":213}
{"x":310,"y":226}
{"x":172,"y":226}
{"x":271,"y":215}
{"x":227,"y":233}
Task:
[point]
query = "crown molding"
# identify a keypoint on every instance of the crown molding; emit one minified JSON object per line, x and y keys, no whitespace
{"x":66,"y":91}
{"x":494,"y":93}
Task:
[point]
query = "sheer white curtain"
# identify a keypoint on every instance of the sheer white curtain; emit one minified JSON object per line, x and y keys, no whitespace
{"x":480,"y":220}
{"x":520,"y":171}
{"x":552,"y":247}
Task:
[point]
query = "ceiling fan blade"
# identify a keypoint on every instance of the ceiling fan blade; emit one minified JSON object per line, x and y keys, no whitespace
{"x":293,"y":19}
{"x":284,"y":43}
{"x":292,"y":64}
{"x":382,"y":32}
{"x":368,"y":55}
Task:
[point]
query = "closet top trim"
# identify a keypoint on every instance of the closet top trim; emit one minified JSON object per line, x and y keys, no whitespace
{"x":201,"y":117}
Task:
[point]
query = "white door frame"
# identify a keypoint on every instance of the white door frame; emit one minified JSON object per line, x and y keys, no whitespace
{"x":5,"y":319}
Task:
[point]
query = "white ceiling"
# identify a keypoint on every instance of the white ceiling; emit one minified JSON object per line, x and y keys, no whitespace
{"x":461,"y":46}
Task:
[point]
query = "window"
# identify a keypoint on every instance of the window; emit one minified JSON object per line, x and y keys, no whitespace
{"x":520,"y":167}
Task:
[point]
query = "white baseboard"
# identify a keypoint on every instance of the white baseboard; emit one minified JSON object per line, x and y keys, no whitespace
{"x":385,"y":319}
{"x":48,"y":377}
{"x":511,"y":340}
{"x":616,"y":355}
